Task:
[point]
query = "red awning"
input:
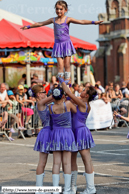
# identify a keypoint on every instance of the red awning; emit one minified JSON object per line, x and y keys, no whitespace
{"x":12,"y":36}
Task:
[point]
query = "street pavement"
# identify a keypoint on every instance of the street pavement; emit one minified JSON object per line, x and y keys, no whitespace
{"x":110,"y":158}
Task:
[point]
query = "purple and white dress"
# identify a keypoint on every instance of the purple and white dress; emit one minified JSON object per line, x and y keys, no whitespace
{"x":63,"y":46}
{"x":62,"y":137}
{"x":43,"y":139}
{"x":83,"y":136}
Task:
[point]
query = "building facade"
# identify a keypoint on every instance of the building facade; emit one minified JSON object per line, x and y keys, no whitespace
{"x":112,"y":57}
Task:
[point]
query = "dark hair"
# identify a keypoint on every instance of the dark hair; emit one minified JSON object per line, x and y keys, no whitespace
{"x":97,"y":86}
{"x":74,"y":85}
{"x":57,"y":93}
{"x":92,"y":93}
{"x":62,"y":3}
{"x":23,"y":75}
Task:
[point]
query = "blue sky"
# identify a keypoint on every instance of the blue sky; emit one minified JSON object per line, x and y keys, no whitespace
{"x":40,"y":10}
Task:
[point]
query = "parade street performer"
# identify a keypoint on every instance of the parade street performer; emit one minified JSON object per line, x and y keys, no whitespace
{"x":63,"y":48}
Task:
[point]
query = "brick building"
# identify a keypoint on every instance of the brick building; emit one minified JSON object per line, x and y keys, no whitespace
{"x":111,"y":62}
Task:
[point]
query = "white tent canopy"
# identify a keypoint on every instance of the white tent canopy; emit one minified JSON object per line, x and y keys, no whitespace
{"x":13,"y":17}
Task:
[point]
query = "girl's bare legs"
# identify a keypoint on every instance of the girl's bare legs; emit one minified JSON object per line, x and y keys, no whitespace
{"x":86,"y":157}
{"x":74,"y":172}
{"x":67,"y":162}
{"x":56,"y":162}
{"x":67,"y":61}
{"x":40,"y":169}
{"x":60,"y":65}
{"x":74,"y":161}
{"x":19,"y":119}
{"x":42,"y":163}
{"x":28,"y":118}
{"x":5,"y":117}
{"x":89,"y":171}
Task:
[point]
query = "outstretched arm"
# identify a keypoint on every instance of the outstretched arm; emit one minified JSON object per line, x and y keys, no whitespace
{"x":38,"y":24}
{"x":83,"y":22}
{"x":120,"y":116}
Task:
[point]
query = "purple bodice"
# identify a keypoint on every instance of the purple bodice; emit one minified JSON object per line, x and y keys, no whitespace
{"x":44,"y":116}
{"x":79,"y":118}
{"x":61,"y":120}
{"x":61,"y":32}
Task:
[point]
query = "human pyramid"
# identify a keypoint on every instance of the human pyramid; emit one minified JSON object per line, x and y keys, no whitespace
{"x":62,"y":134}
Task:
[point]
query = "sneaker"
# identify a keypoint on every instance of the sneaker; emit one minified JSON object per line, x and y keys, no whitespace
{"x":11,"y":138}
{"x":28,"y":126}
{"x":20,"y":128}
{"x":12,"y":130}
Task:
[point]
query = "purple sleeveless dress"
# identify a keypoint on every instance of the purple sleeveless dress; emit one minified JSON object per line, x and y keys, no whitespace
{"x":43,"y":139}
{"x":62,"y":137}
{"x":63,"y":46}
{"x":83,"y":136}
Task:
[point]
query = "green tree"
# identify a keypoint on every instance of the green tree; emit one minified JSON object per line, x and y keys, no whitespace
{"x":13,"y":79}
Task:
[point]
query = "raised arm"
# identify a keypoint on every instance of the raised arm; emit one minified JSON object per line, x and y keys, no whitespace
{"x":72,"y":96}
{"x":38,"y":24}
{"x":41,"y":103}
{"x":83,"y":22}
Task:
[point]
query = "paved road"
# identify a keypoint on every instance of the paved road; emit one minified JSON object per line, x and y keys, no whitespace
{"x":110,"y":157}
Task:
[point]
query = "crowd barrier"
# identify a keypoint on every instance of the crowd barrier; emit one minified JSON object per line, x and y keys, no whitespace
{"x":33,"y":124}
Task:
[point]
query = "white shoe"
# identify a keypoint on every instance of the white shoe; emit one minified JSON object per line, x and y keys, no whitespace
{"x":12,"y":130}
{"x":74,"y":182}
{"x":67,"y":187}
{"x":56,"y":179}
{"x":90,"y":189}
{"x":39,"y":181}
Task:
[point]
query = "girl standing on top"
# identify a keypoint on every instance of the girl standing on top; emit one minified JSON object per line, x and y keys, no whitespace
{"x":63,"y":48}
{"x":83,"y":137}
{"x":62,"y":138}
{"x":43,"y":138}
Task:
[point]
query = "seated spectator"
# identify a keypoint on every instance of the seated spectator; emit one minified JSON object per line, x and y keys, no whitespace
{"x":111,"y":85}
{"x":75,"y":87}
{"x":104,"y":97}
{"x":118,"y":92}
{"x":80,"y":89}
{"x":111,"y":94}
{"x":20,"y":97}
{"x":3,"y":94}
{"x":53,"y":81}
{"x":87,"y":84}
{"x":97,"y":89}
{"x":36,"y":79}
{"x":124,"y":90}
{"x":22,"y":81}
{"x":127,"y":86}
{"x":46,"y":86}
{"x":106,"y":88}
{"x":100,"y":87}
{"x":4,"y":113}
{"x":13,"y":111}
{"x":29,"y":102}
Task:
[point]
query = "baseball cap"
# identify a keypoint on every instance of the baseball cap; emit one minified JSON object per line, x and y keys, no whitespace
{"x":20,"y":87}
{"x":26,"y":86}
{"x":9,"y":92}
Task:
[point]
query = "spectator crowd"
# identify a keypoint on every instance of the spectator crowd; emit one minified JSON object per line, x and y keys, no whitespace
{"x":17,"y":105}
